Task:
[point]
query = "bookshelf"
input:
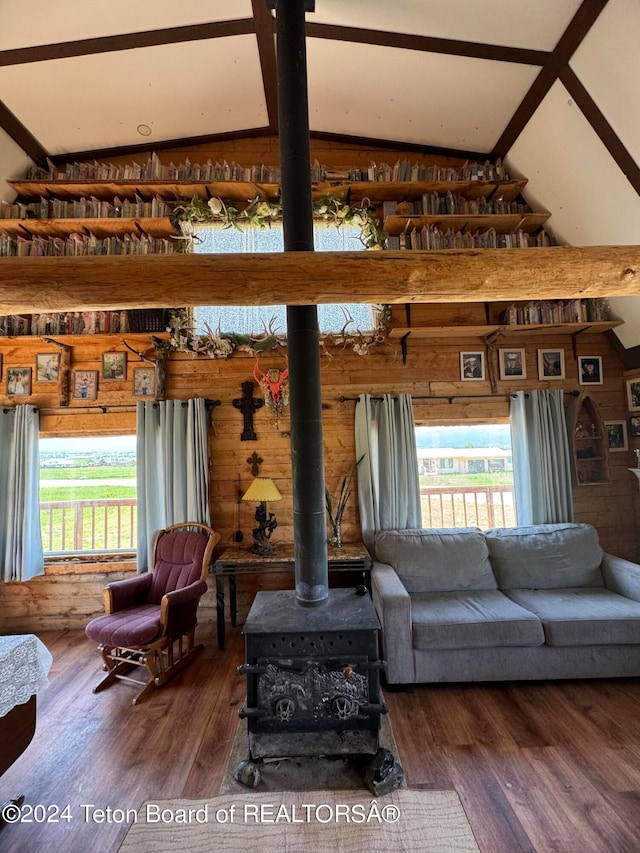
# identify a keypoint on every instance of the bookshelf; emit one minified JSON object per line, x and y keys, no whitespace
{"x":43,"y":199}
{"x":495,"y":331}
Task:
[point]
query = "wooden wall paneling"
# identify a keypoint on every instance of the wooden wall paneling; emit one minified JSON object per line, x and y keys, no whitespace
{"x":432,"y":369}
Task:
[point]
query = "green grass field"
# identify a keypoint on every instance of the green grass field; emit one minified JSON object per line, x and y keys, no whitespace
{"x":454,"y":481}
{"x":105,"y":473}
{"x":60,"y":537}
{"x":85,"y":493}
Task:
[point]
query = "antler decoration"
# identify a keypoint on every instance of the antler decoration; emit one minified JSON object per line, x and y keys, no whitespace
{"x":275,"y":388}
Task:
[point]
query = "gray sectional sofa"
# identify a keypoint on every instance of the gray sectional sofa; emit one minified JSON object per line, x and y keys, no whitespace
{"x":518,"y":603}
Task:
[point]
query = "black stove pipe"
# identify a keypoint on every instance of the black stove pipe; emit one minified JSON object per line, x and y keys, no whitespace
{"x":303,"y":340}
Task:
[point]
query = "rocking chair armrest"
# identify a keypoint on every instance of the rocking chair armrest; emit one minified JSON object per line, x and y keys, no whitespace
{"x":186,"y":594}
{"x":178,"y":608}
{"x":126,"y":593}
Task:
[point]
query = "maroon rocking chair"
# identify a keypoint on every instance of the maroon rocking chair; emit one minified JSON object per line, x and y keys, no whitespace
{"x":150,"y":619}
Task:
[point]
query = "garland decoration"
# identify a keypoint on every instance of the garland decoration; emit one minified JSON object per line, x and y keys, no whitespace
{"x":219,"y":344}
{"x":260,"y":213}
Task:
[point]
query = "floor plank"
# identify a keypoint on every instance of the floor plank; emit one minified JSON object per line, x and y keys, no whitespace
{"x":548,"y":766}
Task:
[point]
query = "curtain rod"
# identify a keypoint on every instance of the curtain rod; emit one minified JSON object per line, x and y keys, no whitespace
{"x":452,"y":397}
{"x":100,"y":410}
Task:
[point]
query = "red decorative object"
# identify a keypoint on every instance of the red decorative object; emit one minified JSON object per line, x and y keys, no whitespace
{"x":274,"y":386}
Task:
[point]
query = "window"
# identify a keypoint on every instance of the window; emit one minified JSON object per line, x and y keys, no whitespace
{"x":466,"y":476}
{"x":88,"y":494}
{"x":251,"y":320}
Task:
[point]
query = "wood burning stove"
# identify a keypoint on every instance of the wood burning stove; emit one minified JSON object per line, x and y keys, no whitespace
{"x":313,"y":676}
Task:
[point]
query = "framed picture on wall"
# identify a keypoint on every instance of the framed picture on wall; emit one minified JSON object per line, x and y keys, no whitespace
{"x":18,"y":381}
{"x":144,"y":381}
{"x":472,"y":365}
{"x":617,"y":435}
{"x":634,"y":426}
{"x":550,"y":364}
{"x":633,"y":395}
{"x":512,"y":364}
{"x":114,"y":365}
{"x":47,"y":367}
{"x":590,"y":369}
{"x":85,"y":384}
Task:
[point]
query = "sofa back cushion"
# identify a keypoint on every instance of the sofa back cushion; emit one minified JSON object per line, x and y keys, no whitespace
{"x":437,"y":560}
{"x":546,"y":556}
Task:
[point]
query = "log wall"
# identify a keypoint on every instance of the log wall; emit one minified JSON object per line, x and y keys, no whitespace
{"x":432,"y":370}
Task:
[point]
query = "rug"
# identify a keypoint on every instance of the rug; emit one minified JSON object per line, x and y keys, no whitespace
{"x":299,"y":822}
{"x":303,"y":774}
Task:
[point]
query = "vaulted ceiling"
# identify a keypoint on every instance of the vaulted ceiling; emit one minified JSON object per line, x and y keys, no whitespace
{"x":551,"y":86}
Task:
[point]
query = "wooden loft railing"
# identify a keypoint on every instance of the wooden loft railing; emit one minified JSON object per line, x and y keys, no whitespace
{"x":298,"y":278}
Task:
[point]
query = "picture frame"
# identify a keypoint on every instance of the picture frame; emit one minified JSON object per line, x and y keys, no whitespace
{"x":634,"y":426}
{"x":590,"y":369}
{"x":85,"y":384}
{"x":512,"y":363}
{"x":472,"y":366}
{"x":616,"y":432}
{"x":633,"y":394}
{"x":114,"y":366}
{"x":18,"y":381}
{"x":551,"y":364}
{"x":47,"y":366}
{"x":144,"y":382}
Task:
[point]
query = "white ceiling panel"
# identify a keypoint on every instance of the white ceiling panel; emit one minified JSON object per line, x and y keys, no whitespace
{"x":13,"y":164}
{"x":573,"y":175}
{"x":25,"y":23}
{"x":179,"y":90}
{"x":423,"y":98}
{"x":627,"y":308}
{"x":608,"y":65}
{"x":518,"y":23}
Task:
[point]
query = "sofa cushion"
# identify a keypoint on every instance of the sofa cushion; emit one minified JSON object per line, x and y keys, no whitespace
{"x":467,"y":620}
{"x":546,"y":556}
{"x":437,"y":560}
{"x":582,"y":616}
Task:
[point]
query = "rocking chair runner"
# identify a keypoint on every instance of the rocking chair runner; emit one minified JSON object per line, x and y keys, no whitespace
{"x":150,"y":619}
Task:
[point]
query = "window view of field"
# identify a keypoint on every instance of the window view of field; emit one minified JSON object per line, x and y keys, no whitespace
{"x":466,"y":476}
{"x":88,"y":494}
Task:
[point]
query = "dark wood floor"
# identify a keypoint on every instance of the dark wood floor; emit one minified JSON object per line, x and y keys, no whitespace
{"x":539,"y":767}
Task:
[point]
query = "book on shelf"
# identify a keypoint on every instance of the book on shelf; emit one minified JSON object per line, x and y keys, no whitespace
{"x":541,"y":312}
{"x":155,"y":170}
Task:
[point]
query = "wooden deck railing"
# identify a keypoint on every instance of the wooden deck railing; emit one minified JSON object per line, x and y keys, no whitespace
{"x":100,"y":525}
{"x":468,"y":506}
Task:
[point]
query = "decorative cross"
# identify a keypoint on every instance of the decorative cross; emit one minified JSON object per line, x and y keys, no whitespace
{"x":248,"y":405}
{"x":254,"y":460}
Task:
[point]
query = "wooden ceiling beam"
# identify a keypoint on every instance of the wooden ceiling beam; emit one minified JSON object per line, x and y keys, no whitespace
{"x":30,"y":285}
{"x":126,"y":41}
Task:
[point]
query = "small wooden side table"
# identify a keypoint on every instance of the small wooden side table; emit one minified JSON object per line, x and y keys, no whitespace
{"x":351,"y":562}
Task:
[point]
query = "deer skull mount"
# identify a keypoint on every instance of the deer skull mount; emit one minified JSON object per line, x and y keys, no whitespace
{"x":275,"y":387}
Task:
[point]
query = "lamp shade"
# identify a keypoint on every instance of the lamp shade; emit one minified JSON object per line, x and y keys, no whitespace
{"x":262,"y":489}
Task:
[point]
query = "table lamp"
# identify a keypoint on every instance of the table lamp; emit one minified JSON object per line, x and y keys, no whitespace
{"x":263,"y":490}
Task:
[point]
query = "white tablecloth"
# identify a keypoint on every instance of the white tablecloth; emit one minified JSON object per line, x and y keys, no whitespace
{"x":24,"y":664}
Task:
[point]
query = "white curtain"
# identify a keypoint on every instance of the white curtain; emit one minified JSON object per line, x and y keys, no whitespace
{"x":388,"y":480}
{"x":541,"y":458}
{"x":20,"y":534}
{"x":172,"y":468}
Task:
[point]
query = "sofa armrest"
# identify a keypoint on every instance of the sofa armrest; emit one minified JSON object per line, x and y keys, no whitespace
{"x":621,"y":576}
{"x":393,"y":606}
{"x":126,"y":593}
